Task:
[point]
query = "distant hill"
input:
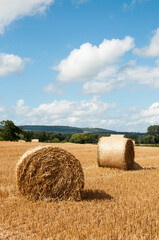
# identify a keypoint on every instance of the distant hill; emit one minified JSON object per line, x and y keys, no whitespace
{"x":63,"y":129}
{"x":72,"y":130}
{"x":57,"y":129}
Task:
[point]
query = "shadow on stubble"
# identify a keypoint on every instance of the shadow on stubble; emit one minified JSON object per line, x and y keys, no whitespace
{"x":89,"y":195}
{"x":137,"y":167}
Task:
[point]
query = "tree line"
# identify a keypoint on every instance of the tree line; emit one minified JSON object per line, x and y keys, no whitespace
{"x":10,"y":132}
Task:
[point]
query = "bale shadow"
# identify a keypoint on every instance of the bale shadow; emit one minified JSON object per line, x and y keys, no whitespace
{"x":90,"y":195}
{"x":148,"y":168}
{"x":137,"y":167}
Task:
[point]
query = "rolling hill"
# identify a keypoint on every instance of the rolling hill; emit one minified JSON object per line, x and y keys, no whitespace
{"x":72,"y":130}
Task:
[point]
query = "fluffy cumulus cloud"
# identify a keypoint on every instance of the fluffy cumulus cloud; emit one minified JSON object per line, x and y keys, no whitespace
{"x":152,"y":50}
{"x":141,"y":119}
{"x":1,"y":109}
{"x":88,"y":61}
{"x":99,"y":67}
{"x":62,"y":112}
{"x":152,"y":111}
{"x":147,"y":116}
{"x":52,"y":88}
{"x":134,"y":119}
{"x":10,"y":64}
{"x":92,"y":113}
{"x":11,"y":10}
{"x":99,"y":87}
{"x":143,"y":75}
{"x":116,"y":77}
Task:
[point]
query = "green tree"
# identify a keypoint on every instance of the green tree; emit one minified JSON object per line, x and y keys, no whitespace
{"x":55,"y":140}
{"x":28,"y":135}
{"x":9,"y":131}
{"x":153,"y":130}
{"x":42,"y":136}
{"x":79,"y":138}
{"x":94,"y":137}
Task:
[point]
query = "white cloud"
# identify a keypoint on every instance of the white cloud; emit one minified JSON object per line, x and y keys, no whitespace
{"x":116,"y":77}
{"x":129,"y":6}
{"x":11,"y":10}
{"x":1,"y":109}
{"x":20,"y":103}
{"x":101,"y":86}
{"x":132,"y":4}
{"x":143,"y":75}
{"x":78,"y":2}
{"x":92,"y":113}
{"x":87,"y":62}
{"x":140,"y":119}
{"x":20,"y":108}
{"x":134,"y":119}
{"x":152,"y":50}
{"x":10,"y":64}
{"x":152,"y":111}
{"x":63,"y":112}
{"x":98,"y":66}
{"x":52,"y":89}
{"x":143,"y":118}
{"x":138,"y":74}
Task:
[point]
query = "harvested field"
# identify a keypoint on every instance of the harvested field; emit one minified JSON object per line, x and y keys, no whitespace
{"x":117,"y":204}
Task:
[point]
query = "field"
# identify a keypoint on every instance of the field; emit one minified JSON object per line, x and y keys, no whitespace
{"x":117,"y":204}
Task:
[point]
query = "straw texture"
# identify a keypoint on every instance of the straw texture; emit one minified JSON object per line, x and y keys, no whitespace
{"x":50,"y":173}
{"x":116,"y":152}
{"x":118,"y":135}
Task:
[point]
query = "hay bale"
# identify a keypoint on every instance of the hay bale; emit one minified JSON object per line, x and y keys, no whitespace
{"x":35,"y":140}
{"x":50,"y":173}
{"x":118,"y":135}
{"x":116,"y":152}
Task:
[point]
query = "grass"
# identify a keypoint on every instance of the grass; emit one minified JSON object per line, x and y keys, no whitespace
{"x":117,"y":205}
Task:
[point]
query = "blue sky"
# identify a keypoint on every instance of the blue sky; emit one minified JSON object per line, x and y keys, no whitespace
{"x":83,"y":63}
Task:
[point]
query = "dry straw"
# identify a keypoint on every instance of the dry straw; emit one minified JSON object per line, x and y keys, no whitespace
{"x":116,"y":152}
{"x":50,"y":173}
{"x":35,"y":140}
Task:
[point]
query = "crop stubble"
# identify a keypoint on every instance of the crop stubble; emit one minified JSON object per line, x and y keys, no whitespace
{"x":116,"y":204}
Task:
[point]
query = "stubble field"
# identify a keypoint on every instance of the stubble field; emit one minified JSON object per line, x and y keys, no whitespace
{"x":117,"y":204}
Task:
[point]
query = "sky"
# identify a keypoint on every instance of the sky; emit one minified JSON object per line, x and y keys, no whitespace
{"x":81,"y":63}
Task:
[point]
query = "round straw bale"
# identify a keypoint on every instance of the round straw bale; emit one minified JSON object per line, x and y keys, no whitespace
{"x":50,"y":173}
{"x":116,"y":152}
{"x":117,"y":135}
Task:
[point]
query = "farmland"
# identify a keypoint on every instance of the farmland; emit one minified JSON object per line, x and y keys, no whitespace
{"x":117,"y":204}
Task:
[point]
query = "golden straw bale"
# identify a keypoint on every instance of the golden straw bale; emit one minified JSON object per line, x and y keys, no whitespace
{"x":50,"y":173}
{"x":118,"y":135}
{"x":116,"y":152}
{"x":35,"y":140}
{"x":21,"y":141}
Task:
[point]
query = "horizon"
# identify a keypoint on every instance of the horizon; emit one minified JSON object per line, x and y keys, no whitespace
{"x":75,"y":127}
{"x":80,"y":62}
